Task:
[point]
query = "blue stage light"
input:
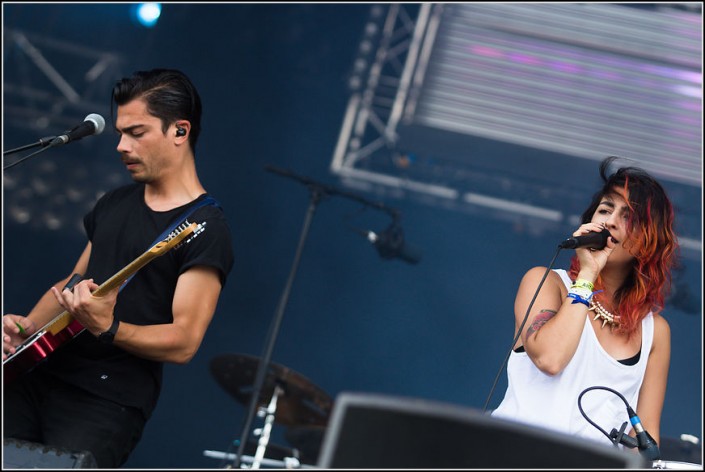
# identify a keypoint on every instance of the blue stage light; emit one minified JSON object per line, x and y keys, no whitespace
{"x":148,"y":13}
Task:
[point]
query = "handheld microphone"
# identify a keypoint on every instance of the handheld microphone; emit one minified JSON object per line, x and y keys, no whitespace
{"x":646,"y":444}
{"x":92,"y":124}
{"x":591,"y":240}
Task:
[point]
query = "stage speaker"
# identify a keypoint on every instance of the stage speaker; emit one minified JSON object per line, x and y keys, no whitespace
{"x":378,"y":431}
{"x":27,"y":455}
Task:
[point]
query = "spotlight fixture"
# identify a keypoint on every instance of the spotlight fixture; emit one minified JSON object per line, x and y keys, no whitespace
{"x":147,"y":14}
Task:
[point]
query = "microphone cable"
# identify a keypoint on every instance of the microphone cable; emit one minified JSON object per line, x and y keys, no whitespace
{"x":580,"y":407}
{"x":521,"y":328}
{"x":648,"y":448}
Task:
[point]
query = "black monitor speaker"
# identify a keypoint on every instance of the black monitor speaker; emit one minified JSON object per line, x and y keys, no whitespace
{"x":379,"y":431}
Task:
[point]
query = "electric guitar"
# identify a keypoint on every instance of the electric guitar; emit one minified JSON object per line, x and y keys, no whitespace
{"x":64,"y":327}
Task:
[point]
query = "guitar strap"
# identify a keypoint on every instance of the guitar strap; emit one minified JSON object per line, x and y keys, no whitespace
{"x":206,"y":201}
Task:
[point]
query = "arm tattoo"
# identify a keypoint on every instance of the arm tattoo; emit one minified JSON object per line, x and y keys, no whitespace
{"x":540,"y":320}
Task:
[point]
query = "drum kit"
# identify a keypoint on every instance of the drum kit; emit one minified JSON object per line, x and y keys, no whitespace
{"x":290,"y":399}
{"x":287,"y":398}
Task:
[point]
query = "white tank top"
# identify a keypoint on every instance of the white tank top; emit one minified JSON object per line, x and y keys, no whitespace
{"x":552,"y":401}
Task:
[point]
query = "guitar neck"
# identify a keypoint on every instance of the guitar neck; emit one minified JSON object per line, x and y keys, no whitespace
{"x":65,"y":318}
{"x":120,"y":277}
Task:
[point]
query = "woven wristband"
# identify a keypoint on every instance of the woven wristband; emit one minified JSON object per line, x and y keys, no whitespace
{"x":578,"y":299}
{"x":580,"y":295}
{"x":584,"y":284}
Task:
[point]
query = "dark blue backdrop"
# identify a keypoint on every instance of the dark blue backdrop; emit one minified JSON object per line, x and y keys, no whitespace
{"x":273,"y":83}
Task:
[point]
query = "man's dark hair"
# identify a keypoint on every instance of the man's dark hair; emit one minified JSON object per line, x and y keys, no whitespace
{"x":169,"y":94}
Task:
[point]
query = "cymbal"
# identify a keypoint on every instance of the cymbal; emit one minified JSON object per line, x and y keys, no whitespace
{"x":302,"y":402}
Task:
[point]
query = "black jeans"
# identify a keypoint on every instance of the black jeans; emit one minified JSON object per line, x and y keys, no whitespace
{"x":42,"y":409}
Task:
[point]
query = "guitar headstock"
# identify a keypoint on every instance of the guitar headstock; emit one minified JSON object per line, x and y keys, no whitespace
{"x":178,"y":236}
{"x":200,"y":227}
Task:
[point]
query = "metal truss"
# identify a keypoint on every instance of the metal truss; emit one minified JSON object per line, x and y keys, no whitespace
{"x":48,"y":81}
{"x":374,"y":111}
{"x":49,"y":84}
{"x":383,"y":146}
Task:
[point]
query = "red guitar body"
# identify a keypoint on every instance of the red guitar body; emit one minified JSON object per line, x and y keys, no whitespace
{"x":38,"y":348}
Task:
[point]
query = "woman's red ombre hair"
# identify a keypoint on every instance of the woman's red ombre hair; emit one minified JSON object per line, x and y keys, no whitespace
{"x":650,"y":239}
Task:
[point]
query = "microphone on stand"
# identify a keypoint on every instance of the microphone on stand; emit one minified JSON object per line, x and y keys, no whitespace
{"x":390,"y":244}
{"x":591,"y":240}
{"x":92,"y":124}
{"x":643,"y":441}
{"x":646,"y":444}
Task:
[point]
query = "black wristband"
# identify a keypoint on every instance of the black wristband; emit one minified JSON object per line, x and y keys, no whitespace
{"x":108,"y":336}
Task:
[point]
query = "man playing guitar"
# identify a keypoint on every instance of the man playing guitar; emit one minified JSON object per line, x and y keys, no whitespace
{"x":96,"y":392}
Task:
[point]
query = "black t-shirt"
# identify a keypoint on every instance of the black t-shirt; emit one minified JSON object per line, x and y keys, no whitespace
{"x":121,"y":227}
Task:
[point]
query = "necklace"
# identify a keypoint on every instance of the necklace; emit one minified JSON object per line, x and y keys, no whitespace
{"x":603,"y":314}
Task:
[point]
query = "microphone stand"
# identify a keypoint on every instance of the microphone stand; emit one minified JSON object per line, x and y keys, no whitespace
{"x":317,"y":192}
{"x":329,"y":190}
{"x":45,"y":143}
